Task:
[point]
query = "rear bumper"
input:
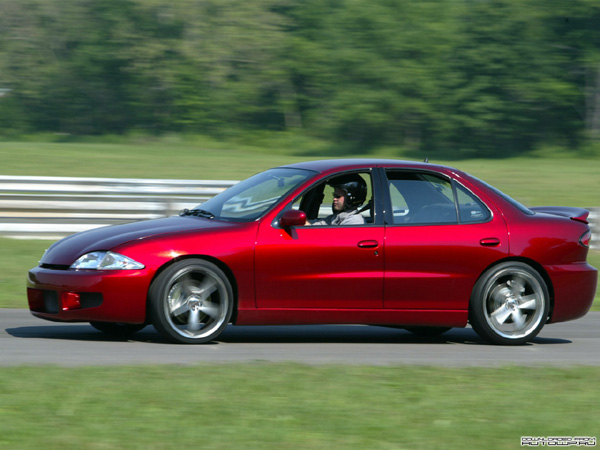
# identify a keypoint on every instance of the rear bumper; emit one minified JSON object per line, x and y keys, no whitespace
{"x":85,"y":296}
{"x":574,"y":290}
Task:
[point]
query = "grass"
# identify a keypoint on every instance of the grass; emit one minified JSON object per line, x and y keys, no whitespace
{"x":171,"y":160}
{"x":273,"y":406}
{"x":16,"y":258}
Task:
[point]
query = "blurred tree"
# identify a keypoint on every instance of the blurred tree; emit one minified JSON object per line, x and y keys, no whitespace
{"x":463,"y":77}
{"x":577,"y":38}
{"x":513,"y":85}
{"x":367,"y":71}
{"x":231,"y":75}
{"x":493,"y":93}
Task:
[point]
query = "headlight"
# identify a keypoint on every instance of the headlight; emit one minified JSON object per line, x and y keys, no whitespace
{"x":106,"y":261}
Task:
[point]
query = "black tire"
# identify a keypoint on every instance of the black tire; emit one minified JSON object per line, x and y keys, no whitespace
{"x":509,"y":304}
{"x":191,"y":302}
{"x":428,"y":331}
{"x":118,"y":329}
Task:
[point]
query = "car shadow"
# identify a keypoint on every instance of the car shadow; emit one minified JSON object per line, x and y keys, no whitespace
{"x":355,"y":334}
{"x":82,"y":332}
{"x":295,"y":334}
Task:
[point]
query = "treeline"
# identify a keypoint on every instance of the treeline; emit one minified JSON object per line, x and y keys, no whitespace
{"x":468,"y":76}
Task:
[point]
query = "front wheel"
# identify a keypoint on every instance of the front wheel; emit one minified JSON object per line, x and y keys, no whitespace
{"x":191,"y":302}
{"x":510,"y":304}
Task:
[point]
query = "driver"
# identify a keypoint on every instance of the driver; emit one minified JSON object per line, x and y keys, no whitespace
{"x":349,"y":193}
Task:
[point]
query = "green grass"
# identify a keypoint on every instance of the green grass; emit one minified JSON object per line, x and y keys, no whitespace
{"x":541,"y":182}
{"x":16,"y":258}
{"x":274,"y":406}
{"x":164,"y":159}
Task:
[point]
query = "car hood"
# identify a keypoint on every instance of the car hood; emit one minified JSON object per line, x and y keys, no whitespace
{"x":67,"y":250}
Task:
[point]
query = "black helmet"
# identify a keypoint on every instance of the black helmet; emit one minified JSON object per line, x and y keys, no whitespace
{"x":354,"y":186}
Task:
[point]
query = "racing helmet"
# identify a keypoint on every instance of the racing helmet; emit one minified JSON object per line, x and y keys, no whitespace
{"x":354,"y":186}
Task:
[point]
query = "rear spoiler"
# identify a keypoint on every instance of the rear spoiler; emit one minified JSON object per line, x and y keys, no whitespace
{"x":578,"y":214}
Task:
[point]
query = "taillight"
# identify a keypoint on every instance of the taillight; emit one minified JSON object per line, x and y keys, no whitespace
{"x":586,"y":239}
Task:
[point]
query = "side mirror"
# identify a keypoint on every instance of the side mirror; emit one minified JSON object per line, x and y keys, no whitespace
{"x":292,"y":218}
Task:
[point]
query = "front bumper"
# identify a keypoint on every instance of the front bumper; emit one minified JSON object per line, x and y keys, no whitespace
{"x":88,"y":295}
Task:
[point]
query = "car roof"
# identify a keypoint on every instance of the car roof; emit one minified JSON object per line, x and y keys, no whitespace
{"x":330,"y":165}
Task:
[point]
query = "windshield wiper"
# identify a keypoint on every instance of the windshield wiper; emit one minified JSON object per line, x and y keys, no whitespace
{"x":197,"y":212}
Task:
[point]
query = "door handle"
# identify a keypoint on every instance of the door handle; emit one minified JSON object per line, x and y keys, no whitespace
{"x":368,"y":244}
{"x":490,"y":242}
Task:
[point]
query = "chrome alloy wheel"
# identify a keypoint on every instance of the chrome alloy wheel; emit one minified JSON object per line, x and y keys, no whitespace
{"x":514,"y":303}
{"x":192,"y":302}
{"x":510,"y":304}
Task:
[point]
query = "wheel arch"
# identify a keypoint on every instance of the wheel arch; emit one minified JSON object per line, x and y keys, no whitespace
{"x":217,"y":262}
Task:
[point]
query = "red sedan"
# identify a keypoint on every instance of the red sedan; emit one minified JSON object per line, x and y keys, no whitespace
{"x":394,"y":243}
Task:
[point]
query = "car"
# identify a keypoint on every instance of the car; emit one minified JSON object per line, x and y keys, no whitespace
{"x":428,"y":248}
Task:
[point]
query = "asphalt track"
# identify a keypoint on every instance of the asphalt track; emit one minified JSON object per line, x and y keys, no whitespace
{"x":26,"y":340}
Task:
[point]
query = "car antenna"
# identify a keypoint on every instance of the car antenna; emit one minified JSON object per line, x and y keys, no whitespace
{"x":426,"y":160}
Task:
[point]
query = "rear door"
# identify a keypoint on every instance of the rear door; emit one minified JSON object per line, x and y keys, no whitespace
{"x":439,"y":238}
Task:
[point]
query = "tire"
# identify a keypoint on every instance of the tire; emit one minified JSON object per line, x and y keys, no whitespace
{"x":118,"y":329}
{"x":427,"y":331}
{"x":191,"y":302}
{"x":509,"y":304}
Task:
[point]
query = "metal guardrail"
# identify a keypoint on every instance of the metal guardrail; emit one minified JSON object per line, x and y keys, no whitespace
{"x":594,"y":219}
{"x":54,"y":207}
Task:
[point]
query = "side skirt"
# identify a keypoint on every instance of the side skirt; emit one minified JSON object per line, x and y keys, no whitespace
{"x":282,"y":316}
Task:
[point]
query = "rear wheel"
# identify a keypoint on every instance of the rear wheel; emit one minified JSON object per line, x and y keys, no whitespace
{"x":191,"y":302}
{"x":510,"y":304}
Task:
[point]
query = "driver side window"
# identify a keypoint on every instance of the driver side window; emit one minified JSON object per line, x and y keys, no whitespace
{"x":317,"y":201}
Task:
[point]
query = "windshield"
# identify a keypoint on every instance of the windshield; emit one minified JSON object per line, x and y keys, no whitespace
{"x":249,"y":199}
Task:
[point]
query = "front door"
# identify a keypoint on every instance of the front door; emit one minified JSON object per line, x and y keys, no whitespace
{"x":321,"y":266}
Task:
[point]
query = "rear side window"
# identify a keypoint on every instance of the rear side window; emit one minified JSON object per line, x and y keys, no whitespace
{"x":471,"y":209}
{"x":427,"y":199}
